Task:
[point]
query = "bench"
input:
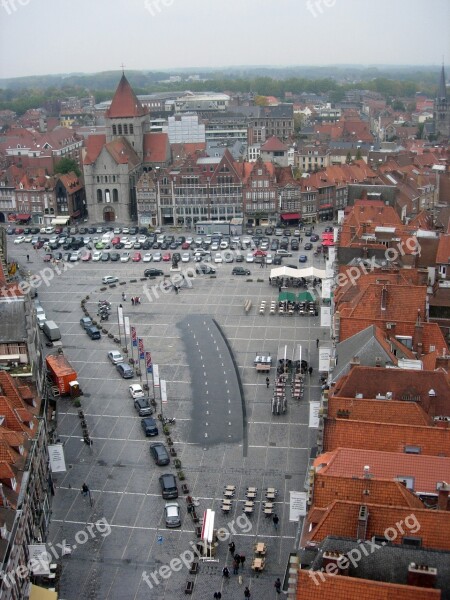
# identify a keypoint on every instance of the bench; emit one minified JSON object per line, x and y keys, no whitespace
{"x":189,"y":588}
{"x":193,"y":569}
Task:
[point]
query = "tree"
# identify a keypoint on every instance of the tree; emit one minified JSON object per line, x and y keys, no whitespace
{"x":348,"y":159}
{"x":261,"y":101}
{"x":358,"y":154}
{"x":66,"y":165}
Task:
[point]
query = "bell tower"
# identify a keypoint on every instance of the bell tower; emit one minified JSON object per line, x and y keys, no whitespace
{"x":441,"y":111}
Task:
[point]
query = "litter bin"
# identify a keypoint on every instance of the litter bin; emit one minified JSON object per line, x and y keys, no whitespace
{"x":74,"y":387}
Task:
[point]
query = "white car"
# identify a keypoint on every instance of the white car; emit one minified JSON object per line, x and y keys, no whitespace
{"x":269,"y":259}
{"x":142,"y":239}
{"x":189,"y":240}
{"x":218,"y":258}
{"x":128,"y":245}
{"x":125,"y":230}
{"x":19,"y":239}
{"x":49,"y":230}
{"x":115,"y":357}
{"x":250,"y":258}
{"x":87,"y":240}
{"x":125,"y":257}
{"x":185,"y":257}
{"x":223,"y":245}
{"x":75,"y":256}
{"x":97,"y":255}
{"x":109,"y":279}
{"x":214,"y":247}
{"x":136,"y":391}
{"x":198,"y":241}
{"x":147,"y":257}
{"x":28,"y":238}
{"x":157,"y":257}
{"x":116,"y":230}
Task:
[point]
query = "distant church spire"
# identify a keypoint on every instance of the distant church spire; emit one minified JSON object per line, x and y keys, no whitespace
{"x":442,"y":91}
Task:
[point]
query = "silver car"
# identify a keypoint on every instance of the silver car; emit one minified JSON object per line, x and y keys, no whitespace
{"x":172,"y":514}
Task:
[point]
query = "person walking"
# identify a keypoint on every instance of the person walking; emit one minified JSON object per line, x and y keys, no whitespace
{"x":28,"y":258}
{"x":267,"y":381}
{"x":310,"y":371}
{"x":235,"y":566}
{"x":124,"y":296}
{"x":317,"y":342}
{"x":277,"y":585}
{"x":132,"y":301}
{"x":231,"y":548}
{"x":242,"y":560}
{"x":275,"y":520}
{"x":247,"y":593}
{"x":84,"y":489}
{"x":225,"y":572}
{"x":175,"y":287}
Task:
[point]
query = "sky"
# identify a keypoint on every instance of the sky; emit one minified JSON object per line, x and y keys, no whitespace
{"x":64,"y":36}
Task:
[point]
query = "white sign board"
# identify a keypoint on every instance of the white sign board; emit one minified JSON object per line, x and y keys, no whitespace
{"x":332,"y":253}
{"x":324,"y":359}
{"x":314,"y":407}
{"x":326,"y":288}
{"x":163,"y":391}
{"x":341,"y":215}
{"x":39,"y":559}
{"x":57,"y":461}
{"x":126,"y":321}
{"x":325,"y":316}
{"x":156,"y":375}
{"x":120,"y":315}
{"x":297,"y":505}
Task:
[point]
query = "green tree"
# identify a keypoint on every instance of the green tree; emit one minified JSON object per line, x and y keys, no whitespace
{"x":66,"y":165}
{"x":358,"y":154}
{"x":348,"y":159}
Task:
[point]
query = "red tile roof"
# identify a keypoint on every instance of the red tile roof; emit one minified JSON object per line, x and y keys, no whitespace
{"x":122,"y":152}
{"x":328,"y":488}
{"x":337,"y":587}
{"x":156,"y":147}
{"x":425,"y":471}
{"x":341,"y":519}
{"x":273,"y":144}
{"x":125,"y":103}
{"x":443,"y":253}
{"x":379,"y":411}
{"x":343,"y":433}
{"x":94,"y":145}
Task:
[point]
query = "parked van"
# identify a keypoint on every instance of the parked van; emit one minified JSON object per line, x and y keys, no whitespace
{"x":51,"y":330}
{"x":93,"y":332}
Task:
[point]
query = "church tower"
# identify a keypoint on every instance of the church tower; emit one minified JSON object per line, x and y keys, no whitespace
{"x":126,"y":117}
{"x":441,"y":111}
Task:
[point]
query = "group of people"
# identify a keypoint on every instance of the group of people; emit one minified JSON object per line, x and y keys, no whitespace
{"x":134,"y":299}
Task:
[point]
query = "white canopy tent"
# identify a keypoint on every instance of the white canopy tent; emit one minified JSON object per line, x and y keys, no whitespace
{"x":298,"y":273}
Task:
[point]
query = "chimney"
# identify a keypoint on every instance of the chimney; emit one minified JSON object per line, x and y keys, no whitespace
{"x":354,"y":361}
{"x":335,"y":558}
{"x":443,"y":489}
{"x":363,"y":518}
{"x":421,"y":576}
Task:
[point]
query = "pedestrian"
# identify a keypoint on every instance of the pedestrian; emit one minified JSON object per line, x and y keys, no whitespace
{"x":277,"y":585}
{"x":231,"y":548}
{"x":84,"y":489}
{"x":275,"y":520}
{"x":225,"y":572}
{"x":267,"y":381}
{"x":28,"y":258}
{"x":247,"y":593}
{"x":175,"y":287}
{"x":270,"y":279}
{"x":310,"y":371}
{"x":317,"y":342}
{"x":120,"y":306}
{"x":124,"y":297}
{"x":132,"y":301}
{"x":242,"y":560}
{"x":279,"y":288}
{"x":235,"y":566}
{"x":138,"y":299}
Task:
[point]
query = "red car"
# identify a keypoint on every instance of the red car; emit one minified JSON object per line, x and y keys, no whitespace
{"x":47,"y":258}
{"x":19,"y":230}
{"x":166,"y":257}
{"x":259,"y":253}
{"x":137,"y":256}
{"x":185,"y":246}
{"x":86,"y":256}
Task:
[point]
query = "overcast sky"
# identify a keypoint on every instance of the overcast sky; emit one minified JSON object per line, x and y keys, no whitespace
{"x":63,"y":36}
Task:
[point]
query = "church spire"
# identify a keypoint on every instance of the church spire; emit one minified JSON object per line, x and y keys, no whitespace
{"x":125,"y":103}
{"x":442,"y":92}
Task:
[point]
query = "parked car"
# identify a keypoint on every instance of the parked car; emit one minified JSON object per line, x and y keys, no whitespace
{"x":136,"y":391}
{"x":168,"y":485}
{"x":239,"y":258}
{"x":48,"y":257}
{"x":308,"y":246}
{"x":166,"y":257}
{"x":149,"y":426}
{"x":314,"y":238}
{"x":277,"y":259}
{"x":186,"y":257}
{"x":159,"y":454}
{"x":85,"y":322}
{"x":302,"y":258}
{"x":97,"y":255}
{"x":218,"y":258}
{"x":142,"y":405}
{"x":250,"y":258}
{"x":153,"y":273}
{"x":93,"y":332}
{"x":86,"y":256}
{"x":125,"y":370}
{"x":281,"y":252}
{"x":240,"y":271}
{"x":125,"y":257}
{"x":114,"y":256}
{"x":172,"y":514}
{"x":137,"y":257}
{"x":157,"y":257}
{"x":205,"y":269}
{"x":109,"y":279}
{"x":115,"y":357}
{"x":147,"y":257}
{"x":105,"y":257}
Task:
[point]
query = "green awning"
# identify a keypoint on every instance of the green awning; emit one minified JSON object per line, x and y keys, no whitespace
{"x":286,"y":296}
{"x":305,"y":297}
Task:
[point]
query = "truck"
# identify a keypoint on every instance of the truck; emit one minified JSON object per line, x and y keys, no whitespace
{"x":51,"y":330}
{"x":61,"y":372}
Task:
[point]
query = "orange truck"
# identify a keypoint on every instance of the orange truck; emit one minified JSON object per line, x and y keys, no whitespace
{"x":61,"y":372}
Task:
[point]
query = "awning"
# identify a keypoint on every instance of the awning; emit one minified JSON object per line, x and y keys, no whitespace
{"x":325,"y":206}
{"x":23,"y":217}
{"x":298,"y":273}
{"x":290,"y":216}
{"x":39,"y":593}
{"x":60,"y":221}
{"x":305,"y":297}
{"x":286,"y":297}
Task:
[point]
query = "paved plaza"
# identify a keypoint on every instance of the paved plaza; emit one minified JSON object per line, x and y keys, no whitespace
{"x":204,"y":343}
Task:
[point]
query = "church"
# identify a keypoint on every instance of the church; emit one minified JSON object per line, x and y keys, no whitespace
{"x":442,"y":110}
{"x":113,"y":162}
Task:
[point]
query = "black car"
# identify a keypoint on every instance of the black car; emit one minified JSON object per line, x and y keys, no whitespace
{"x":239,"y":258}
{"x":205,"y":270}
{"x":92,"y":230}
{"x":159,"y":454}
{"x":146,"y":245}
{"x":153,"y":272}
{"x":308,"y":246}
{"x":268,"y":231}
{"x":143,"y":230}
{"x":168,"y":485}
{"x":149,"y":426}
{"x":119,"y":245}
{"x":105,"y":257}
{"x":240,"y":271}
{"x":156,"y":246}
{"x":277,"y":259}
{"x":165,"y":246}
{"x":142,"y":405}
{"x":174,"y":245}
{"x":133,"y":230}
{"x":274,"y":245}
{"x":114,"y":256}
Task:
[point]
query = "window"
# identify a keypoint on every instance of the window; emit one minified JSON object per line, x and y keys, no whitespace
{"x":131,"y":129}
{"x":119,"y":129}
{"x":99,"y":196}
{"x":114,"y":130}
{"x":115,"y":195}
{"x":125,"y":129}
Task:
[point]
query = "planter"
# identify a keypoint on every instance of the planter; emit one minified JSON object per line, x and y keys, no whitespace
{"x":117,"y":340}
{"x":177,"y":463}
{"x":125,"y":350}
{"x":169,"y":441}
{"x":172,"y":452}
{"x":138,"y":372}
{"x":181,"y":476}
{"x":77,"y":403}
{"x":166,"y":430}
{"x":104,"y":331}
{"x":110,"y":335}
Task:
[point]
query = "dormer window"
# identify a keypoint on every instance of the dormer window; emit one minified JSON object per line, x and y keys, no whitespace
{"x":13,"y":483}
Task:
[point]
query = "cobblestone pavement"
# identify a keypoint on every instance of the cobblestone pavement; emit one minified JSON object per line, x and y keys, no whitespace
{"x":263,"y":450}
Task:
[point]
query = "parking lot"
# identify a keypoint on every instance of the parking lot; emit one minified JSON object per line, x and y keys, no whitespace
{"x":245,"y":445}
